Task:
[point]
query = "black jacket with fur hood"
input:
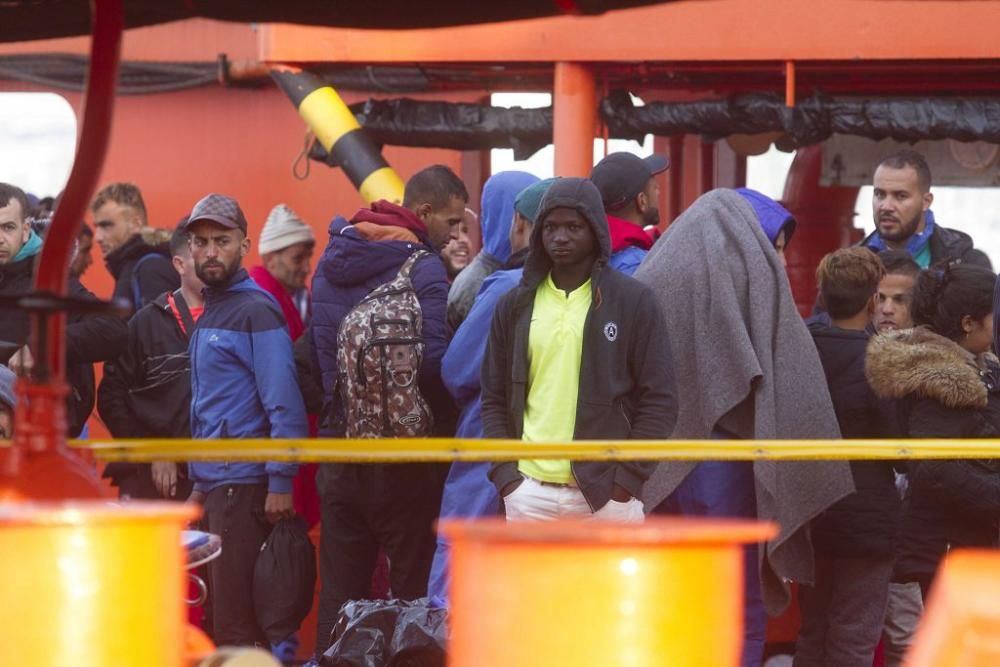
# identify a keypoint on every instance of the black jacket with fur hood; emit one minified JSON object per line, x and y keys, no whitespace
{"x":626,"y":387}
{"x":943,"y":392}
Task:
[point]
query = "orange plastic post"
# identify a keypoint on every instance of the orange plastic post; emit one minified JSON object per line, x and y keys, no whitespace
{"x":574,"y":119}
{"x":961,"y":624}
{"x":667,"y":592}
{"x":92,"y":584}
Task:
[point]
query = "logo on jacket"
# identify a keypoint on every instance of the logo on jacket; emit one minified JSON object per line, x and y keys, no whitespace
{"x":213,"y":338}
{"x":611,"y":331}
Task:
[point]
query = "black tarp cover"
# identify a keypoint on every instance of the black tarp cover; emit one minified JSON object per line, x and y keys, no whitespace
{"x":407,"y":122}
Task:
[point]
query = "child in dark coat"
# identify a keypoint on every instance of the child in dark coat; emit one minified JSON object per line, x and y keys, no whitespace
{"x":842,"y":612}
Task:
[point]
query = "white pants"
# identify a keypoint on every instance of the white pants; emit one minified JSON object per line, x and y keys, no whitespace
{"x":534,"y":501}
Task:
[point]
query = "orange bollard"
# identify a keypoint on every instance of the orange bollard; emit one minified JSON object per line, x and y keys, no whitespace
{"x":91,"y":584}
{"x":666,"y":592}
{"x":961,"y":624}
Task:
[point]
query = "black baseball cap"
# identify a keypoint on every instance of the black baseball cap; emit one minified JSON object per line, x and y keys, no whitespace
{"x":219,"y":209}
{"x":621,"y":176}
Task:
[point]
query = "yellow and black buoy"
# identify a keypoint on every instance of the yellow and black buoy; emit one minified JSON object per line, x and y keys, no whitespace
{"x":338,"y":131}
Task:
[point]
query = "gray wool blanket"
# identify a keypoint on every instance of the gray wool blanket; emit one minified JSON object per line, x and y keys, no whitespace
{"x":744,"y":361}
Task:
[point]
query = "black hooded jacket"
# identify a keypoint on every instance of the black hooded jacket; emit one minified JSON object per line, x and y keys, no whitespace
{"x":88,"y":339}
{"x":626,"y":387}
{"x":941,"y":393}
{"x":155,"y":275}
{"x":863,"y":525}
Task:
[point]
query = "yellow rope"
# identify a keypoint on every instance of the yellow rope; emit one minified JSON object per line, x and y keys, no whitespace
{"x":449,"y":449}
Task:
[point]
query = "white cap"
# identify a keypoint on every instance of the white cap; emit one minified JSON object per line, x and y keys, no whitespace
{"x":282,"y":229}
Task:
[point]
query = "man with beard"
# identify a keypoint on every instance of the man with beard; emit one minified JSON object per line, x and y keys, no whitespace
{"x":631,"y":196}
{"x":901,"y":207}
{"x":392,"y":506}
{"x":243,"y":385}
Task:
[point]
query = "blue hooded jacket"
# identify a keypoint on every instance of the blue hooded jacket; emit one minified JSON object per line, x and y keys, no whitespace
{"x":774,"y":218}
{"x":496,"y":213}
{"x":468,"y":491}
{"x":495,"y":219}
{"x":350,"y":268}
{"x":243,"y":383}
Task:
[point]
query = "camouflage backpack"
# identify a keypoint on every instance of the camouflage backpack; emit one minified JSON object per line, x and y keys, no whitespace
{"x":379,"y":350}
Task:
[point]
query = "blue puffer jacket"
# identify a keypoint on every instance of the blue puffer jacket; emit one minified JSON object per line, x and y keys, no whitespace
{"x":350,"y":268}
{"x":243,"y":383}
{"x":627,"y":260}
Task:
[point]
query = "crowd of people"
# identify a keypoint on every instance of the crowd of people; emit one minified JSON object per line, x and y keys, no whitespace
{"x":576,"y":320}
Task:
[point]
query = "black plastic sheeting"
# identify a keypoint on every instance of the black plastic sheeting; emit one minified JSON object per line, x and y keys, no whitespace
{"x":811,"y":120}
{"x":389,"y":633}
{"x":464,"y":127}
{"x":469,"y":127}
{"x":43,"y":19}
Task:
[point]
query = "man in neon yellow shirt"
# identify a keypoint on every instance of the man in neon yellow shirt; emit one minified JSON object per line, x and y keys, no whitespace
{"x":577,"y":351}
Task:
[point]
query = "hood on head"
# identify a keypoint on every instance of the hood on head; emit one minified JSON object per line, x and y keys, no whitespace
{"x":497,"y":210}
{"x":581,"y":195}
{"x":920,"y":362}
{"x":774,"y":218}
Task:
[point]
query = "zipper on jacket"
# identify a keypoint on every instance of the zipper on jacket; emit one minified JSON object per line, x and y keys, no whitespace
{"x":621,"y":406}
{"x":572,"y":471}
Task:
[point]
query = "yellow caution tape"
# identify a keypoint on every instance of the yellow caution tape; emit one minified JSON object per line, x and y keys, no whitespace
{"x":453,"y":449}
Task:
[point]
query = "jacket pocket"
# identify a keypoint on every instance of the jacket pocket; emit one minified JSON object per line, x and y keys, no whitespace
{"x":601,"y":420}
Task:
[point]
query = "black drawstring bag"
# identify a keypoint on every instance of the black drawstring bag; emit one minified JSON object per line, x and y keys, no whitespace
{"x":284,"y":579}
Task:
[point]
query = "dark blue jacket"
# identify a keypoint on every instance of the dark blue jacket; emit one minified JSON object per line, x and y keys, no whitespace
{"x":243,"y":383}
{"x":350,"y":268}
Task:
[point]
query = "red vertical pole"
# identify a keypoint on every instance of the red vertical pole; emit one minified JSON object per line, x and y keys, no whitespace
{"x":38,"y":465}
{"x":707,"y":164}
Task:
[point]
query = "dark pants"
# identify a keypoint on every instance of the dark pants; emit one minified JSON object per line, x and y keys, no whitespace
{"x":352,"y":533}
{"x":236,"y":513}
{"x":843,"y":612}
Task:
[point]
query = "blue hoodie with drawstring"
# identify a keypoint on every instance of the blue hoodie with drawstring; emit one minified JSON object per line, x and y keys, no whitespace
{"x":496,"y":216}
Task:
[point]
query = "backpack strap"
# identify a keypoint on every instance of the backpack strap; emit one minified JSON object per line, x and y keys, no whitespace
{"x":136,"y":290}
{"x":185,"y":313}
{"x":411,"y":261}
